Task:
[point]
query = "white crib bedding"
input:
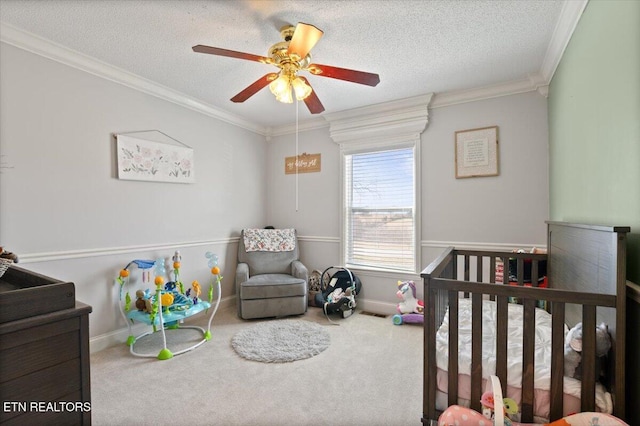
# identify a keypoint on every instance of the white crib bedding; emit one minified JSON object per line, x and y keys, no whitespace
{"x":542,"y":372}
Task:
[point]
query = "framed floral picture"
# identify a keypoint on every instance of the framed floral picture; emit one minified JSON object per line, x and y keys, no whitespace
{"x":142,"y":159}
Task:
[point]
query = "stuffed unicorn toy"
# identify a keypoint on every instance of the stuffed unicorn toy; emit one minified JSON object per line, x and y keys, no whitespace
{"x":409,"y":304}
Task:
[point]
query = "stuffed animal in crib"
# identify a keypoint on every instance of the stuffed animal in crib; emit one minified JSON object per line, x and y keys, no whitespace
{"x":573,"y":348}
{"x":409,"y":305}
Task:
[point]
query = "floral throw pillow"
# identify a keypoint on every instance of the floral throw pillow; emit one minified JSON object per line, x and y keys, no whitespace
{"x":269,"y":239}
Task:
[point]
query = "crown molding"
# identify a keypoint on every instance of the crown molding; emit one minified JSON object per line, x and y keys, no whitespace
{"x":534,"y":82}
{"x":307,"y":125}
{"x":408,"y":117}
{"x":480,"y":93}
{"x":569,"y":17}
{"x":56,"y":52}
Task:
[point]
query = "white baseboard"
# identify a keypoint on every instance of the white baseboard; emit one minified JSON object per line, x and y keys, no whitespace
{"x":119,"y":337}
{"x":377,"y":307}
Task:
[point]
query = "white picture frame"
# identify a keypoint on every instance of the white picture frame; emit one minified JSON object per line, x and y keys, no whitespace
{"x":146,"y":160}
{"x":476,"y":152}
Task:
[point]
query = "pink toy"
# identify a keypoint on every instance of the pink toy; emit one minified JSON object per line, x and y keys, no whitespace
{"x":509,"y":407}
{"x":410,"y":310}
{"x":463,"y":416}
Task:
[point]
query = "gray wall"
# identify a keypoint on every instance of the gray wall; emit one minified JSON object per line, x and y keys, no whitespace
{"x":505,"y":211}
{"x":63,"y":210}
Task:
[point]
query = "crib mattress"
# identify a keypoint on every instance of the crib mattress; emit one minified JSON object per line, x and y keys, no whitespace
{"x":543,"y":355}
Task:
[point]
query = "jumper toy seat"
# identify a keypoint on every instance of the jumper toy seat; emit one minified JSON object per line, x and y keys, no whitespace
{"x":181,"y":309}
{"x":169,"y":305}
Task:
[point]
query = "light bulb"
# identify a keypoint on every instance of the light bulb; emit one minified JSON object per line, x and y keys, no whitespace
{"x":279,"y":85}
{"x":281,"y":88}
{"x":301,"y":88}
{"x":285,"y":97}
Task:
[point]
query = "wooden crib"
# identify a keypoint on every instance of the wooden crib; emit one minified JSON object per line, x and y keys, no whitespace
{"x":586,"y":283}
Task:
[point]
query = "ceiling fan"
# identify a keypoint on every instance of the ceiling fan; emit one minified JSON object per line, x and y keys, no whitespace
{"x":291,"y":56}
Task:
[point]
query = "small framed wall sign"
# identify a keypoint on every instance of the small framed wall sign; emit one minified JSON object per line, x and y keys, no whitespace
{"x":476,"y":152}
{"x":305,"y":163}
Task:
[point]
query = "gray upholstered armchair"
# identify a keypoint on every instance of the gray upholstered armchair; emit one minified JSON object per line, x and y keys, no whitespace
{"x":270,"y":279}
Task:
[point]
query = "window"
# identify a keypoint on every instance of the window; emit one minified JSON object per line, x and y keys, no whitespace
{"x":380,"y":208}
{"x":380,"y":153}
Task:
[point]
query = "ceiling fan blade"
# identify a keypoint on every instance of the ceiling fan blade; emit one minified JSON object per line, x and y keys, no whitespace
{"x":353,"y":76}
{"x":312,"y":101}
{"x":230,"y":53}
{"x":304,"y":38}
{"x":255,"y":87}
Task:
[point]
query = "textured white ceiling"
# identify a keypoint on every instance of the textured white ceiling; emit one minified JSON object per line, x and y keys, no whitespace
{"x":416,"y":47}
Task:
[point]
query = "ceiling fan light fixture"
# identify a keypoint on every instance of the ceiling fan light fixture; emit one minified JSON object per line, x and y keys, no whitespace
{"x":285,"y":98}
{"x":281,"y":88}
{"x":280,"y":85}
{"x":291,"y":56}
{"x":301,"y":88}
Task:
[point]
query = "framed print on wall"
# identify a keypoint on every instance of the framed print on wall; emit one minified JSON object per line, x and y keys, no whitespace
{"x":148,"y":160}
{"x":476,"y":152}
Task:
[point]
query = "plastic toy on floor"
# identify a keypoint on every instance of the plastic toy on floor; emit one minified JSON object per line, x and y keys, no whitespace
{"x":169,"y":304}
{"x":410,"y":310}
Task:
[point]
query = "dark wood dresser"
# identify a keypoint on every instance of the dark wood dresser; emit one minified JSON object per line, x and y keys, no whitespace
{"x":44,"y":351}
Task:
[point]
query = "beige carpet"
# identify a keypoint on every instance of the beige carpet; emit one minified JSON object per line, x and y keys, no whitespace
{"x":371,"y":374}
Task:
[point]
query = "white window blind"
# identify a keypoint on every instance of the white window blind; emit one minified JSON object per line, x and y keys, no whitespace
{"x":380,"y":209}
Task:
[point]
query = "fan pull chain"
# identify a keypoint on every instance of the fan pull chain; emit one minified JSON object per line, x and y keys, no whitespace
{"x":297,"y":102}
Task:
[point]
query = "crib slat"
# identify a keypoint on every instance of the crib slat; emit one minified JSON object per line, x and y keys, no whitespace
{"x":492,"y":273}
{"x":588,"y":357}
{"x":528,"y":344}
{"x":476,"y":350}
{"x":479,"y":271}
{"x":452,"y":386}
{"x":429,"y":364}
{"x":466,"y":270}
{"x":466,"y":267}
{"x":520,"y":273}
{"x":502,"y":327}
{"x":505,"y":270}
{"x":557,"y":363}
{"x":492,"y":269}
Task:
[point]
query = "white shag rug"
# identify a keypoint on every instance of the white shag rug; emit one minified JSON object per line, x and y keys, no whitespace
{"x":281,"y":341}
